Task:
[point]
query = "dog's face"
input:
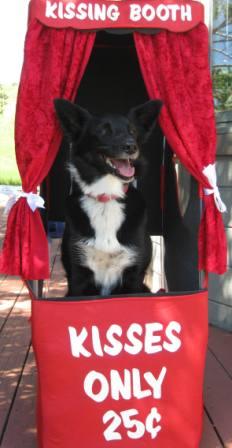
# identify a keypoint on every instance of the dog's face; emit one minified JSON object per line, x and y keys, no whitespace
{"x":110,"y":144}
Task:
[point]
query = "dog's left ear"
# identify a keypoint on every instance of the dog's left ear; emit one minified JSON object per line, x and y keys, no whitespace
{"x":144,"y":117}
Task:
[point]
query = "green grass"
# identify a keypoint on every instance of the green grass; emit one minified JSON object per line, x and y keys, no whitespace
{"x":9,"y":174}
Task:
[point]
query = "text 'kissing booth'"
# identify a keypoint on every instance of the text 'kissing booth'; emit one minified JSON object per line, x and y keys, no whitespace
{"x":127,"y":371}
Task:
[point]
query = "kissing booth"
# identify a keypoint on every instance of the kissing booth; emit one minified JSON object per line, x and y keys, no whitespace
{"x":127,"y":371}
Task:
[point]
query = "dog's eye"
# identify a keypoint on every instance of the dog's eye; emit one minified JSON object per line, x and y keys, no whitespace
{"x":105,"y":129}
{"x":132,"y":131}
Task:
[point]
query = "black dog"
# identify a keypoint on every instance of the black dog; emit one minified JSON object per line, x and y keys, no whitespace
{"x":106,"y":248}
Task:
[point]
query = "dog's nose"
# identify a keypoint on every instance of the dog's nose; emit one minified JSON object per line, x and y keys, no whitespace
{"x":129,"y":148}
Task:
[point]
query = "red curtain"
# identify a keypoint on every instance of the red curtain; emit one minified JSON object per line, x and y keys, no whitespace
{"x":54,"y":63}
{"x":175,"y":69}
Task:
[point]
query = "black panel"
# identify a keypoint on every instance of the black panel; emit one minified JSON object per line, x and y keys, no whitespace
{"x":112,"y":81}
{"x":56,"y":187}
{"x":180,"y":233}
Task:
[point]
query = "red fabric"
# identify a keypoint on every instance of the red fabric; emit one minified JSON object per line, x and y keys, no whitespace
{"x":71,"y":413}
{"x":175,"y":69}
{"x":54,"y":63}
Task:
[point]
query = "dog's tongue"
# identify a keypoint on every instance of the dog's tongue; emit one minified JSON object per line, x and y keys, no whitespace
{"x":124,"y":167}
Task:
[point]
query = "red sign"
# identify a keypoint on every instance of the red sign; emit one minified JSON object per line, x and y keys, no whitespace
{"x":169,"y":14}
{"x":123,"y":372}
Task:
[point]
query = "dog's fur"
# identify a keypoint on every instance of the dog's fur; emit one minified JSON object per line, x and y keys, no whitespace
{"x":106,"y":248}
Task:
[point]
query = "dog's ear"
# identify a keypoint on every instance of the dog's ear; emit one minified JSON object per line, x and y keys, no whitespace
{"x":73,"y":118}
{"x":144,"y":118}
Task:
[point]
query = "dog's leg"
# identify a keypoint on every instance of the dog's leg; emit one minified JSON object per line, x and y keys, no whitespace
{"x":81,"y":283}
{"x":132,"y":282}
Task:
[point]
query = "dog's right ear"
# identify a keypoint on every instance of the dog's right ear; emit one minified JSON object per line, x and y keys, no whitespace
{"x":73,"y":118}
{"x":145,"y":117}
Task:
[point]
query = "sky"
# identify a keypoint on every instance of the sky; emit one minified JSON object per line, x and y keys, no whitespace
{"x":13,"y":24}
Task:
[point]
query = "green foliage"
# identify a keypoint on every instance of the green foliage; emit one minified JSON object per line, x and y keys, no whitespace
{"x":222,"y":82}
{"x":3,"y":98}
{"x":8,"y":168}
{"x":222,"y":7}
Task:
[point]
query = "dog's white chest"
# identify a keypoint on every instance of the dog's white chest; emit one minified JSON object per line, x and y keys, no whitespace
{"x":103,"y":254}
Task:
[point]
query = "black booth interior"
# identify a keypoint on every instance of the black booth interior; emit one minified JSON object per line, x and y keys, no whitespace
{"x":113,"y":83}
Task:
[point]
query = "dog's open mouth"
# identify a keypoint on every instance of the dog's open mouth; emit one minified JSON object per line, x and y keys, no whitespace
{"x":122,"y":167}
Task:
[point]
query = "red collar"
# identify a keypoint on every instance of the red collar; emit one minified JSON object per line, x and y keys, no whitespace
{"x":108,"y":197}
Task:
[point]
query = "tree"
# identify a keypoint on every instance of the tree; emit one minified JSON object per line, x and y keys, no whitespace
{"x":222,"y":81}
{"x":222,"y":54}
{"x":3,"y":99}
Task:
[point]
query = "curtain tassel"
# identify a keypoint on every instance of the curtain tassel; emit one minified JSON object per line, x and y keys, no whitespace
{"x":34,"y":201}
{"x":210,"y":172}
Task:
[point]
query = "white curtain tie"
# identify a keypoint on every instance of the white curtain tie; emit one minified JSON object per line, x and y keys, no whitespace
{"x":34,"y":200}
{"x":210,"y":172}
